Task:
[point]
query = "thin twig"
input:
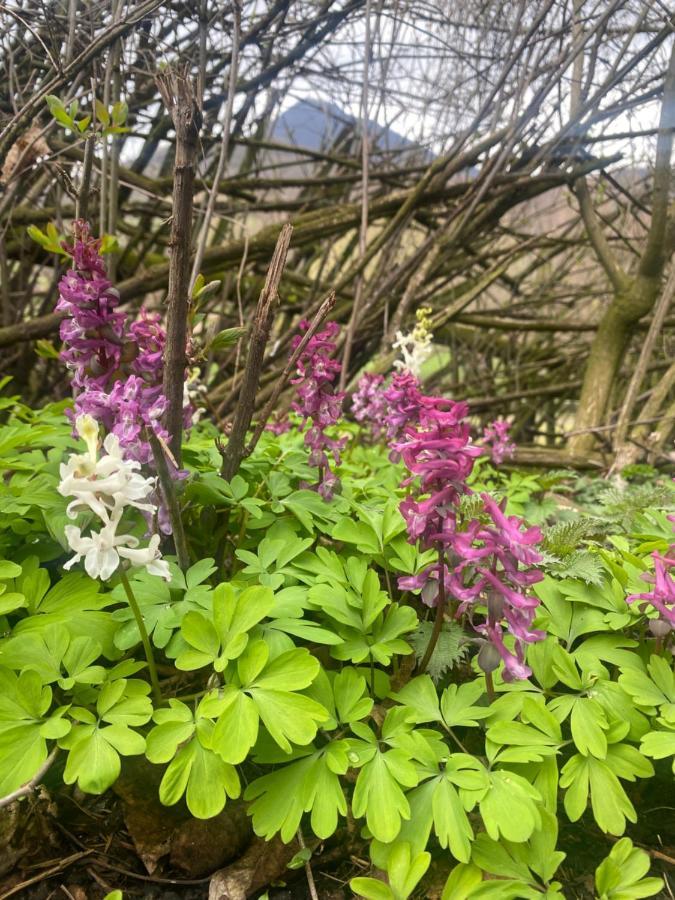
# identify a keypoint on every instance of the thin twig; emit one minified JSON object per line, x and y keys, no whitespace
{"x":224,"y":146}
{"x":308,"y":869}
{"x":655,"y":331}
{"x":82,"y":205}
{"x":314,"y":326}
{"x":43,"y":876}
{"x":363,"y":229}
{"x":169,"y":494}
{"x":233,"y":453}
{"x":30,"y":786}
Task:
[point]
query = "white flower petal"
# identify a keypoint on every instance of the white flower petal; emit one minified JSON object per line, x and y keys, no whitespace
{"x":159,"y":567}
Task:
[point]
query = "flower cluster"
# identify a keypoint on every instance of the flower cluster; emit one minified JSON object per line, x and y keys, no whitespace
{"x":403,"y":401}
{"x":498,"y":560}
{"x":415,"y":347}
{"x":319,"y":401}
{"x":497,"y":441}
{"x":107,"y":487}
{"x":662,"y":595}
{"x":439,"y":452}
{"x":369,"y":405}
{"x":478,"y":564}
{"x":116,"y":371}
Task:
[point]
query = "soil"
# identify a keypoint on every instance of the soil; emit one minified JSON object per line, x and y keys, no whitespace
{"x":65,"y":846}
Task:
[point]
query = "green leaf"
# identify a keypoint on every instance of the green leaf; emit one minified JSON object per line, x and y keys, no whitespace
{"x":510,"y":807}
{"x":589,"y":724}
{"x":300,"y":859}
{"x":461,"y":882}
{"x":119,"y":112}
{"x":280,"y":797}
{"x":451,"y":823}
{"x":236,"y":730}
{"x":611,"y":807}
{"x":371,"y":889}
{"x":421,"y":697}
{"x":9,"y":569}
{"x":92,"y":761}
{"x":203,"y":776}
{"x":58,"y":111}
{"x":289,"y":718}
{"x":653,"y":688}
{"x":24,"y":727}
{"x":102,"y":113}
{"x":658,"y":744}
{"x":620,"y":876}
{"x":457,"y":704}
{"x":379,"y":793}
{"x":224,"y":637}
{"x":447,"y":653}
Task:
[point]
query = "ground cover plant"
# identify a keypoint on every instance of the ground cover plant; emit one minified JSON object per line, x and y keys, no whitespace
{"x":374,"y":631}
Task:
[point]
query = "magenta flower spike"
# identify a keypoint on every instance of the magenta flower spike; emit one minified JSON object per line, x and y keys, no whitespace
{"x":479,"y":564}
{"x":662,"y":594}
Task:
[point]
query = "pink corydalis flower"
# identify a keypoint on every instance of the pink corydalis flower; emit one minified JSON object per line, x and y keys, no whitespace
{"x":479,"y":562}
{"x":319,"y":403}
{"x":497,"y":441}
{"x":403,"y":399}
{"x":662,"y":594}
{"x":439,"y":453}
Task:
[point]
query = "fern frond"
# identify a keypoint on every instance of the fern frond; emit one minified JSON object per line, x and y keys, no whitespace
{"x":582,"y":565}
{"x":448,"y":651}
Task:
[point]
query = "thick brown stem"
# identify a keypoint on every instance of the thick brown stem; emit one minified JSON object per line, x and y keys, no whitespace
{"x":646,"y":352}
{"x":605,"y":357}
{"x":177,"y":94}
{"x":234,"y":452}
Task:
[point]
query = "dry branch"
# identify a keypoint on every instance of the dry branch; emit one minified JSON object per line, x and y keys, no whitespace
{"x":179,"y":99}
{"x":234,"y":452}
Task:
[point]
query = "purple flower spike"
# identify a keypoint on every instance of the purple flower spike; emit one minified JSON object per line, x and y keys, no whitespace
{"x":497,"y":441}
{"x":116,"y":370}
{"x":369,"y":404}
{"x":319,"y":402}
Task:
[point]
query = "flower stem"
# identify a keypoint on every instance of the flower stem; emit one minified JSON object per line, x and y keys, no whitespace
{"x":440,"y":610}
{"x":489,"y":686}
{"x":145,"y":640}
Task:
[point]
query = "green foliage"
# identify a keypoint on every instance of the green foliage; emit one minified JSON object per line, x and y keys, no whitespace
{"x":102,"y":120}
{"x":404,"y":871}
{"x":289,"y":648}
{"x":621,"y":875}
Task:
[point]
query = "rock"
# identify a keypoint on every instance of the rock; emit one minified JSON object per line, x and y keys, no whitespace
{"x":200,"y":846}
{"x":197,"y":846}
{"x":263,"y":863}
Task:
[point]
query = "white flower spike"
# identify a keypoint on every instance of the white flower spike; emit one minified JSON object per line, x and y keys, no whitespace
{"x":106,"y":487}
